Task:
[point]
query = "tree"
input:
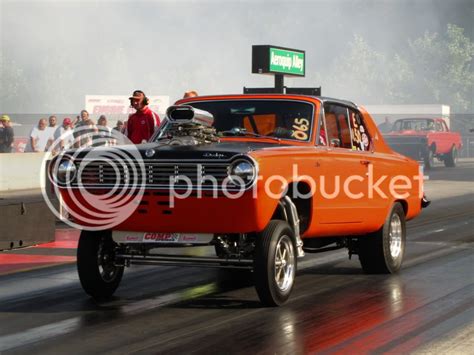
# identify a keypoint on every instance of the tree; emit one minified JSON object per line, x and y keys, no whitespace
{"x":442,"y":68}
{"x":433,"y":69}
{"x":370,"y":76}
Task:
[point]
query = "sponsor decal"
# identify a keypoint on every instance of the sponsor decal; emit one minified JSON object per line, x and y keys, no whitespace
{"x":189,"y":238}
{"x":132,"y":238}
{"x":161,"y":237}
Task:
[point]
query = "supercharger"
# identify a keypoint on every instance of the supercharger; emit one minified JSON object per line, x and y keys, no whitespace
{"x":186,"y":125}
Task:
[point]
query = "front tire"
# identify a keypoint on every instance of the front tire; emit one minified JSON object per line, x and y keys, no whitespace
{"x":451,"y":158}
{"x":99,"y":275}
{"x":429,"y":159}
{"x":382,"y":252}
{"x":275,"y":263}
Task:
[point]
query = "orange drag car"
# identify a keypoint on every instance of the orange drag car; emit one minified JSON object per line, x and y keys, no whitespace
{"x":263,"y":179}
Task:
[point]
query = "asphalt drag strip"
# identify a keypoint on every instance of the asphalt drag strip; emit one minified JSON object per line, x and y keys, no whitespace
{"x":334,"y":306}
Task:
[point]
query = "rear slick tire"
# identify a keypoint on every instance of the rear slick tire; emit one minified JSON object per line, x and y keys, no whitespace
{"x":99,"y":275}
{"x":382,"y":252}
{"x":275,"y":263}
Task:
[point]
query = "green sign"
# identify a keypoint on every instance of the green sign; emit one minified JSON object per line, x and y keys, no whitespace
{"x":286,"y":61}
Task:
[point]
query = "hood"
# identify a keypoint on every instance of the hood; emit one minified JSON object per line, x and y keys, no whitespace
{"x":219,"y":150}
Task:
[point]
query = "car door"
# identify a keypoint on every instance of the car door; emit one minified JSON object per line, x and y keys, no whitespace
{"x":341,"y":194}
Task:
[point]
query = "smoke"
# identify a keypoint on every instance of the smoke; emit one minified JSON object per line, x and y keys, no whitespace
{"x":55,"y":52}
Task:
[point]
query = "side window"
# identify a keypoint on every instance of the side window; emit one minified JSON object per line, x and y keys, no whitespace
{"x":360,"y":135}
{"x":439,"y":127}
{"x":445,"y":127}
{"x":337,"y":126}
{"x":322,"y":138}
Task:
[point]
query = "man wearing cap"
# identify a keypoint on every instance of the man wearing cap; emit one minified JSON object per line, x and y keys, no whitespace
{"x":6,"y":134}
{"x":142,"y":124}
{"x":63,"y":135}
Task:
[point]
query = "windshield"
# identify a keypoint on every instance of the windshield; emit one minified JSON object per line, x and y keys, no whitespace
{"x":271,"y":118}
{"x":413,"y":125}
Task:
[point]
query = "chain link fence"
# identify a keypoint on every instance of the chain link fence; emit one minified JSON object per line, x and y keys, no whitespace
{"x":467,"y":150}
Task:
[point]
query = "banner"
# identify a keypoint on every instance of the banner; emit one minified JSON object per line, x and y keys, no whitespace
{"x":98,"y":105}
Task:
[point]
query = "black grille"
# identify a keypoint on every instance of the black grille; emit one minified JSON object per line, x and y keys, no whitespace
{"x":154,"y":174}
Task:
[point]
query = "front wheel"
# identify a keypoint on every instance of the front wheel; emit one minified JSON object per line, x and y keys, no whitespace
{"x":275,"y":263}
{"x":429,"y":159}
{"x":98,"y":273}
{"x":382,"y":252}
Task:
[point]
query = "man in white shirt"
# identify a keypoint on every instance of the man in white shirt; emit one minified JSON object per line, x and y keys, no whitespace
{"x":39,"y":138}
{"x":52,"y":126}
{"x":63,"y":136}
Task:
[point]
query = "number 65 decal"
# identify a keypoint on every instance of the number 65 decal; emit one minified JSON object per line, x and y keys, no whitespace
{"x":301,"y":127}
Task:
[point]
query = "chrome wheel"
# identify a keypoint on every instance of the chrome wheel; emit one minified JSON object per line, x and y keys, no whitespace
{"x":105,"y":261}
{"x":382,"y":252}
{"x":284,"y":263}
{"x":275,"y":263}
{"x":395,"y":236}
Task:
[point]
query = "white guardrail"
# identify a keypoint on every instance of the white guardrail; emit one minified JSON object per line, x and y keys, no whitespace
{"x":20,"y":171}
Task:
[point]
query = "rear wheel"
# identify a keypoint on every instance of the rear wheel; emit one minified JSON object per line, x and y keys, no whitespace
{"x":382,"y":252}
{"x":275,"y":263}
{"x":98,"y":273}
{"x":451,"y":158}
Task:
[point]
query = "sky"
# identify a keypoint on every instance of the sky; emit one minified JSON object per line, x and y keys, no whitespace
{"x":63,"y":50}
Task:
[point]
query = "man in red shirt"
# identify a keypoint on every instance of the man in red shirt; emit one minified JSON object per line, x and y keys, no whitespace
{"x":142,"y":124}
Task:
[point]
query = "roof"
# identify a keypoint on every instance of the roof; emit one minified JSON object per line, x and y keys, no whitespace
{"x":325,"y":99}
{"x":322,"y":99}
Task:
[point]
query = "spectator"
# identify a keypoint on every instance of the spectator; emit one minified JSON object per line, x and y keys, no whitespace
{"x":119,"y":127}
{"x":52,"y":120}
{"x":103,"y":135}
{"x":88,"y":131}
{"x":63,"y":136}
{"x":190,"y":93}
{"x":81,"y":132}
{"x":117,"y":133}
{"x":6,"y":134}
{"x":83,"y":116}
{"x":386,"y":126}
{"x":39,"y":139}
{"x":143,"y":123}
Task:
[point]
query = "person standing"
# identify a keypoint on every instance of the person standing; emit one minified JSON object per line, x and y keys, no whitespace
{"x":117,"y":133}
{"x":119,"y":127}
{"x":190,"y":93}
{"x":82,"y":129}
{"x":385,"y":126}
{"x":103,"y":136}
{"x":6,"y":134}
{"x":39,"y":138}
{"x":63,"y":137}
{"x":142,"y":124}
